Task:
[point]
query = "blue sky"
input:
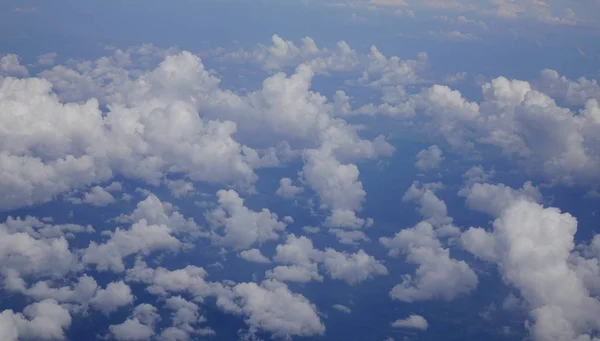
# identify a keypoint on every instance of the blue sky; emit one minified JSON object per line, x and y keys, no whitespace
{"x":318,"y":170}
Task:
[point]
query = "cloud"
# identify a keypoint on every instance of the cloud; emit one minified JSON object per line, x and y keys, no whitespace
{"x":438,"y":276}
{"x":98,"y":196}
{"x":456,"y":36}
{"x":287,"y":189}
{"x":342,"y":308}
{"x":577,"y":92}
{"x":44,"y":320}
{"x":185,"y":321}
{"x":10,"y":66}
{"x":302,"y":263}
{"x":180,"y":188}
{"x":241,"y":228}
{"x":47,"y":59}
{"x":429,"y":158}
{"x":140,"y":326}
{"x":116,"y":295}
{"x":272,"y":307}
{"x":493,"y":199}
{"x":432,"y":208}
{"x":146,"y":235}
{"x":531,"y":246}
{"x":254,"y":255}
{"x":412,"y":322}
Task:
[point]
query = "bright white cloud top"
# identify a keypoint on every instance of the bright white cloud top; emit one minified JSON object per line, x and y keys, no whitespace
{"x":311,"y":184}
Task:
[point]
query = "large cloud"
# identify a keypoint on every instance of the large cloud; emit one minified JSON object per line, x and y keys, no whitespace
{"x":532,"y":246}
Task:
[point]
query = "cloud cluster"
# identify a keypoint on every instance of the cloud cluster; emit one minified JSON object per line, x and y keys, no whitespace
{"x":301,"y":261}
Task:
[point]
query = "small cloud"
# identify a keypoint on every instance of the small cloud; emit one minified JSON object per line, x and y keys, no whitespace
{"x":47,"y":59}
{"x":342,"y":308}
{"x":25,"y":10}
{"x":454,"y":36}
{"x":412,"y":322}
{"x":254,"y":255}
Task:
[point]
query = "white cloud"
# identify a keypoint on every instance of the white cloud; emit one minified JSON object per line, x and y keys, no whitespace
{"x":287,"y":189}
{"x":272,"y":307}
{"x":10,"y":66}
{"x":493,"y":199}
{"x":180,"y":188}
{"x":47,"y":59}
{"x":429,"y":158}
{"x":295,"y":273}
{"x":342,"y":308}
{"x":254,"y":255}
{"x":115,"y":296}
{"x":162,"y":281}
{"x":412,"y":322}
{"x":98,"y":196}
{"x":455,"y":36}
{"x":302,"y":263}
{"x":140,"y":326}
{"x":185,"y":321}
{"x":239,"y":227}
{"x":431,"y":207}
{"x":438,"y":276}
{"x":45,"y":320}
{"x":352,"y":268}
{"x":141,"y":238}
{"x":532,"y":246}
{"x":573,"y":92}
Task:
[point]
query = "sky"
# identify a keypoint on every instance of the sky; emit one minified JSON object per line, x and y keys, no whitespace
{"x":386,"y":170}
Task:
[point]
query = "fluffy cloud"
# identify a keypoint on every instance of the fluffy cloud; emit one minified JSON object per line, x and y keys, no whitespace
{"x":185,"y":321}
{"x":302,"y":262}
{"x":572,"y":92}
{"x":532,"y":246}
{"x":10,"y":66}
{"x":45,"y":320}
{"x":98,"y":196}
{"x":429,"y":158}
{"x":493,"y":199}
{"x":431,"y":207}
{"x":141,"y":238}
{"x":412,"y":322}
{"x":140,"y":326}
{"x":240,"y":226}
{"x":116,"y":295}
{"x":287,"y":189}
{"x":254,"y":255}
{"x":272,"y":307}
{"x":438,"y":276}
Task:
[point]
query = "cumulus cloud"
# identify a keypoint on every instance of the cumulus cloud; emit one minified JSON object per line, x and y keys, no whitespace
{"x":412,"y":322}
{"x":10,"y":66}
{"x":153,"y":227}
{"x":429,"y":158}
{"x":237,"y":226}
{"x":431,"y":207}
{"x":254,"y":255}
{"x":287,"y":189}
{"x":47,"y":59}
{"x":493,"y":199}
{"x":140,"y":326}
{"x":185,"y":320}
{"x":438,"y":276}
{"x":272,"y":307}
{"x":531,"y":246}
{"x":44,"y":320}
{"x":116,"y":295}
{"x":302,"y":261}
